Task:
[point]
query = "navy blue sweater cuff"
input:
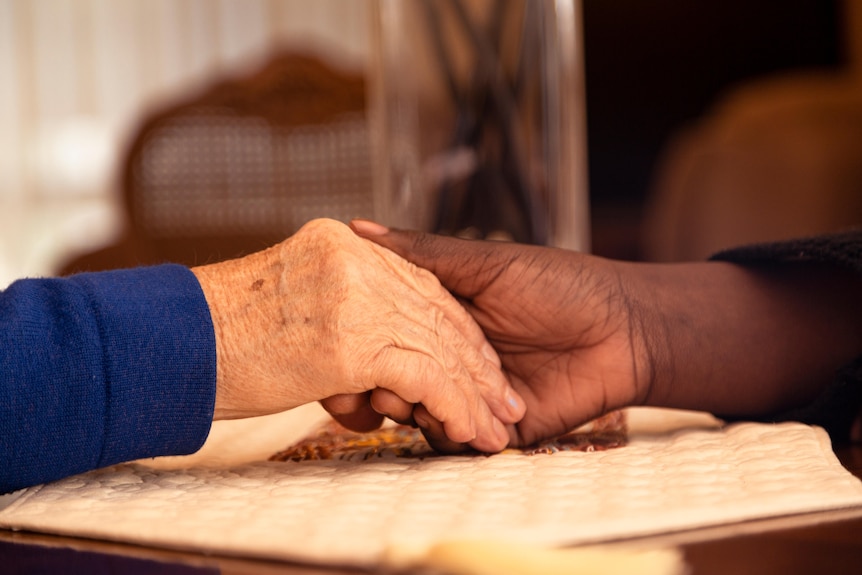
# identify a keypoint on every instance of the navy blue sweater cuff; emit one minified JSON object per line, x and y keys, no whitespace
{"x":158,"y":348}
{"x":101,"y":368}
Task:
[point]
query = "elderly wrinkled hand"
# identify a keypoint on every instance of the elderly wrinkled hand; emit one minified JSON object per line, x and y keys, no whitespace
{"x":327,"y":315}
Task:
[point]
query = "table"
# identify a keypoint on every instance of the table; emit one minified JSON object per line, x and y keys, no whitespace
{"x":822,"y":543}
{"x":834,"y":546}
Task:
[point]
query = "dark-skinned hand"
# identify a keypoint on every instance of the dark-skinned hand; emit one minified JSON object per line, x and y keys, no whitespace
{"x":580,"y":335}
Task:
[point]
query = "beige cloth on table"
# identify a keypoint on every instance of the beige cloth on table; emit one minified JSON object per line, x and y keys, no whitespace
{"x":680,"y":471}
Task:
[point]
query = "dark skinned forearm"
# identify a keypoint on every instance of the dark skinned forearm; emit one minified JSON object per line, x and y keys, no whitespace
{"x":741,"y":341}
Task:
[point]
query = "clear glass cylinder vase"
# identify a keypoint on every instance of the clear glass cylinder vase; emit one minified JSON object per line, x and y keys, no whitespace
{"x":478,"y":116}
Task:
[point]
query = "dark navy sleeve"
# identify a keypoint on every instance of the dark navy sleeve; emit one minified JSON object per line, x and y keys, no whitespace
{"x":842,"y":249}
{"x":101,"y":368}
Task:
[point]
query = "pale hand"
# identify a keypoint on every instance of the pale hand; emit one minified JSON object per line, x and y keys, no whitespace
{"x":327,"y":314}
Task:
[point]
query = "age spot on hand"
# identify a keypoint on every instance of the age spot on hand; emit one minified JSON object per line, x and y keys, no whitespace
{"x":257,"y":285}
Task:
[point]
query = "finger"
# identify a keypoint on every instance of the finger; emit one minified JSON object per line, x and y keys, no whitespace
{"x":485,"y":367}
{"x":446,"y":390}
{"x":344,"y":403}
{"x":480,"y":358}
{"x":431,"y":322}
{"x":417,"y":377}
{"x":392,"y":406}
{"x":483,"y":384}
{"x":426,"y":303}
{"x":353,"y":411}
{"x":435,"y":434}
{"x":485,"y":372}
{"x":466,"y":267}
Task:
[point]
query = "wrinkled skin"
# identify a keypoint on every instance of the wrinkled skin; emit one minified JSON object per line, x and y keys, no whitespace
{"x":559,"y":322}
{"x":328,"y":316}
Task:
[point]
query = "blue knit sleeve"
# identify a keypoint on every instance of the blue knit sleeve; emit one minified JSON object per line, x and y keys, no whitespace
{"x":101,"y":368}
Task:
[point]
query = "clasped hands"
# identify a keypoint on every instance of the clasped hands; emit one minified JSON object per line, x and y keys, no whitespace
{"x":489,"y":344}
{"x":340,"y":316}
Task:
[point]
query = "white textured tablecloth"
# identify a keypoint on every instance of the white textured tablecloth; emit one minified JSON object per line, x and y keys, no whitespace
{"x":680,"y":471}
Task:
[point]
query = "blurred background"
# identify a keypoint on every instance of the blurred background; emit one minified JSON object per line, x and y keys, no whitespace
{"x":708,"y":124}
{"x":78,"y":78}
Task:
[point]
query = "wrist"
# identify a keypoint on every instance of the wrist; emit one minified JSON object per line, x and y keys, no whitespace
{"x":740,"y":341}
{"x":233,"y":297}
{"x":647,"y":334}
{"x":681,"y":315}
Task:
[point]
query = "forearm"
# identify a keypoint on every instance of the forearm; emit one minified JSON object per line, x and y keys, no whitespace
{"x":746,"y":341}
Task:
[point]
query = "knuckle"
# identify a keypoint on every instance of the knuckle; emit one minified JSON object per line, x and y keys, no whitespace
{"x":427,"y":283}
{"x":323,"y":227}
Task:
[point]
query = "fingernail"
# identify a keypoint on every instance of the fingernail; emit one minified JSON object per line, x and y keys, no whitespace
{"x":517,"y":407}
{"x":368,"y":228}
